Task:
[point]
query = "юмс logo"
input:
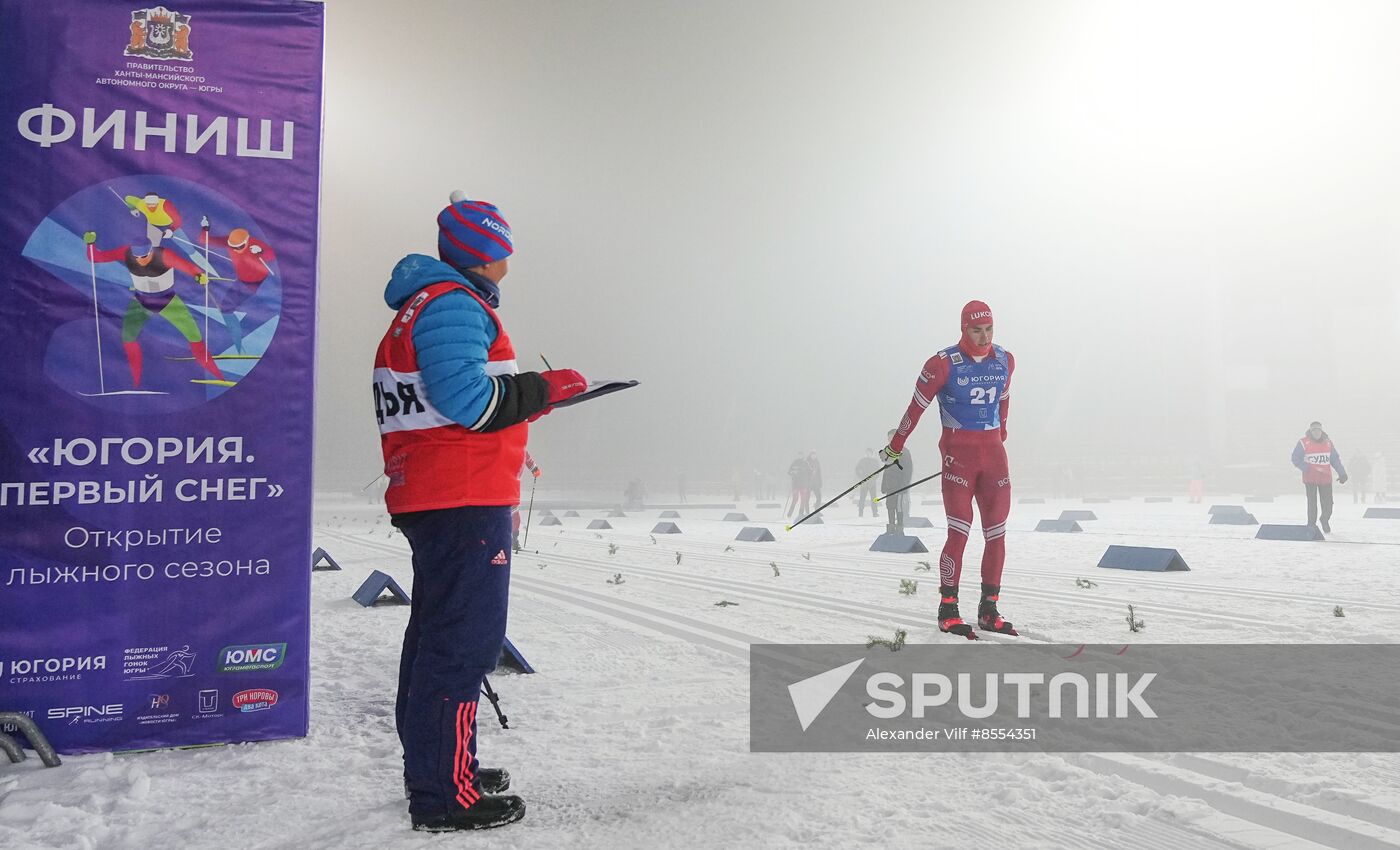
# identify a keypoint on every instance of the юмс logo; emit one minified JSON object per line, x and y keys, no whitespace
{"x":257,"y":656}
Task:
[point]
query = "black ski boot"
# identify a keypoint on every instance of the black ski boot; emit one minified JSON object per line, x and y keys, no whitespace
{"x":949,"y":620}
{"x":988,"y":620}
{"x":485,"y":813}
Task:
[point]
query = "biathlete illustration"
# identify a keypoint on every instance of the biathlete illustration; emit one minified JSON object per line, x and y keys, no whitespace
{"x":152,"y":262}
{"x":162,"y":218}
{"x":152,"y":271}
{"x":249,"y":257}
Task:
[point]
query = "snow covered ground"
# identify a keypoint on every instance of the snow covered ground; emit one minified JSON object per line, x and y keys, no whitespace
{"x":635,"y":731}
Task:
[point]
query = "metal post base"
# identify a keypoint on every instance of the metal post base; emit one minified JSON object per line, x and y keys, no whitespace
{"x":36,"y":738}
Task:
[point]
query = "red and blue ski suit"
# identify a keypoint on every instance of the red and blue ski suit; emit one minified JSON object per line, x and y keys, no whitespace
{"x":973,"y":397}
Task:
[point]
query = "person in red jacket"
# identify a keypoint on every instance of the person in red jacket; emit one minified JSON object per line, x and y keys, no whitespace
{"x":453,"y":408}
{"x":534,"y":470}
{"x":1316,"y":457}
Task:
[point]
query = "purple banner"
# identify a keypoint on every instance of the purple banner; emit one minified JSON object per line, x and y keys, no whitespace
{"x":157,"y":340}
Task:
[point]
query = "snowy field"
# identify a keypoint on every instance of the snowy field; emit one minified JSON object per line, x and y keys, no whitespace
{"x":635,"y":731}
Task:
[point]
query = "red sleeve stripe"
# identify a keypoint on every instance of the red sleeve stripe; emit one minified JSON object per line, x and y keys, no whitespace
{"x":479,"y":229}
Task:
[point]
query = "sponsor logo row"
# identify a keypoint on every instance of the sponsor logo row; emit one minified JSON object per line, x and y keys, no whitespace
{"x":144,"y":663}
{"x":158,"y":708}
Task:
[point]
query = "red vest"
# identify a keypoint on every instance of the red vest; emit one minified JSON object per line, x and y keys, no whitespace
{"x":1317,"y":454}
{"x":431,"y":461}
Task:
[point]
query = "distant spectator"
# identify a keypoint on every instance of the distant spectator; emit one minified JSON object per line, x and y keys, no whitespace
{"x":1361,"y":471}
{"x":865,"y":467}
{"x":634,"y":496}
{"x":1197,"y":486}
{"x":814,"y":479}
{"x":897,"y":506}
{"x":799,"y":476}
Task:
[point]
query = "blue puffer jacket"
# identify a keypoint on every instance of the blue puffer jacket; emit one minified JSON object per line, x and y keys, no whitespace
{"x":452,"y":336}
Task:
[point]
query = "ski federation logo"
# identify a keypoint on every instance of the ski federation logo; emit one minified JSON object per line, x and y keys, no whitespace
{"x":158,"y":663}
{"x":257,"y":699}
{"x":159,"y":33}
{"x":962,"y":382}
{"x":500,"y":560}
{"x":811,"y":696}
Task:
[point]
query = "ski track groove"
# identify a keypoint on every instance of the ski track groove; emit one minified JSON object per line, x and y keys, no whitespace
{"x":878,"y":614}
{"x":1138,"y":578}
{"x":1245,"y":802}
{"x":1101,"y":603}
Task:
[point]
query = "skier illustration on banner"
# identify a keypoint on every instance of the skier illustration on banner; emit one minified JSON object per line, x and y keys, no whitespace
{"x":178,"y":663}
{"x":162,"y":217}
{"x":250,"y":257}
{"x":152,"y":271}
{"x":153,"y":372}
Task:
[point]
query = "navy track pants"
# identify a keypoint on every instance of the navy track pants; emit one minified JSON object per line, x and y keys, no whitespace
{"x":457,"y":625}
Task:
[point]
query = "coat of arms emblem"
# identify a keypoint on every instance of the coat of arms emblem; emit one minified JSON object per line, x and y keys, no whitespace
{"x":160,"y":34}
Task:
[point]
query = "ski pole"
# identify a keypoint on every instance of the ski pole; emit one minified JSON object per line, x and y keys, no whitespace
{"x":96,"y":320}
{"x":208,"y":270}
{"x":546,"y":363}
{"x":529,"y":512}
{"x":844,"y":492}
{"x":123,"y":200}
{"x":908,"y":486}
{"x":207,"y":253}
{"x":372,"y":483}
{"x":495,"y":702}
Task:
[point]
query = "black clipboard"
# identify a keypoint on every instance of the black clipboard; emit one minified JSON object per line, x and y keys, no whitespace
{"x":596,"y":389}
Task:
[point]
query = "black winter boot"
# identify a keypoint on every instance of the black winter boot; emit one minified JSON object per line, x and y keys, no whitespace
{"x":485,"y":813}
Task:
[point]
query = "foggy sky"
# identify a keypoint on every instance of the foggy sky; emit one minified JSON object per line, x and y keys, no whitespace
{"x":1182,"y":214}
